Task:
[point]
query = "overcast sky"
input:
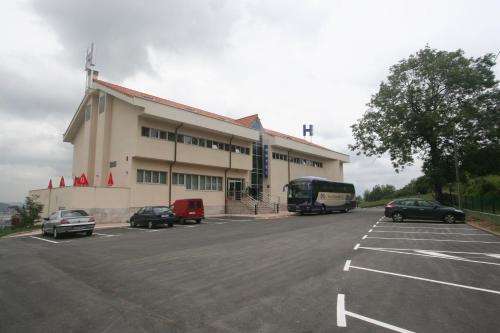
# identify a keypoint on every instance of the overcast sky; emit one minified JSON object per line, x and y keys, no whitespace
{"x":292,"y":62}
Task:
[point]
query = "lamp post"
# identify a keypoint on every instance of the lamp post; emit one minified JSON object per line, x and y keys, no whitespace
{"x":457,"y":175}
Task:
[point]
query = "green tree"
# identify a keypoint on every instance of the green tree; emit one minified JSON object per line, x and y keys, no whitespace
{"x":379,"y":192}
{"x":29,"y":212}
{"x":429,"y":103}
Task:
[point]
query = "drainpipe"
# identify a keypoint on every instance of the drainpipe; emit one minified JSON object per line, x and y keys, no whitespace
{"x":225,"y":174}
{"x":288,"y":152}
{"x":171,"y":165}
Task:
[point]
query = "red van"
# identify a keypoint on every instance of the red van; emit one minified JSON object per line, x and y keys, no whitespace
{"x":189,"y":209}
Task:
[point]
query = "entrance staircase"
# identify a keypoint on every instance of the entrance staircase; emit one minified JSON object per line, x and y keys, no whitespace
{"x":250,"y":205}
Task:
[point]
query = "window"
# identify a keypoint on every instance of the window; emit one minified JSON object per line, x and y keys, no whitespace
{"x":140,"y":176}
{"x":112,"y":164}
{"x":195,"y":141}
{"x":181,"y":179}
{"x":227,"y":147}
{"x":163,"y":135}
{"x":194,"y":182}
{"x":180,"y":138}
{"x":220,"y":146}
{"x":151,"y":177}
{"x":202,"y":183}
{"x":145,"y":131}
{"x":219,"y":183}
{"x":201,"y":142}
{"x":154,"y":133}
{"x":102,"y":101}
{"x":88,"y":110}
{"x":171,"y":136}
{"x":187,"y":139}
{"x":209,"y":143}
{"x":188,"y":182}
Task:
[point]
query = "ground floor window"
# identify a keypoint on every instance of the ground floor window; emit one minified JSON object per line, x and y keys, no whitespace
{"x":151,"y":177}
{"x":197,"y":182}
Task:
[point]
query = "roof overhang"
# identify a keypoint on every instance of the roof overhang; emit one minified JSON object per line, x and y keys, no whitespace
{"x":306,"y":149}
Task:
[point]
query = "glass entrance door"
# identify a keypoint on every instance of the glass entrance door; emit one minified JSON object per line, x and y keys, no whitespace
{"x":234,"y":188}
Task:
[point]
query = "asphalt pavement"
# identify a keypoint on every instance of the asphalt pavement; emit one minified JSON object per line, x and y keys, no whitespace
{"x":355,"y":272}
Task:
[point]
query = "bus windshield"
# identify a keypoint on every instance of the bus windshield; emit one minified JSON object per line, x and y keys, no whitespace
{"x":299,"y":190}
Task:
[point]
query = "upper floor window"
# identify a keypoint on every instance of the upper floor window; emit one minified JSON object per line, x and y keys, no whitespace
{"x":102,"y":102}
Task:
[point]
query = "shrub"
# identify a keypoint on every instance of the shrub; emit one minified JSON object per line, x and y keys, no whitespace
{"x":29,"y":212}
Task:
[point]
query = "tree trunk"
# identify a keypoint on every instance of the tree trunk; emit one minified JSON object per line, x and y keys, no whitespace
{"x":435,"y":172}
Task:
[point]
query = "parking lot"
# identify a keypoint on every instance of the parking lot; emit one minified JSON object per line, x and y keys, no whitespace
{"x":355,"y":272}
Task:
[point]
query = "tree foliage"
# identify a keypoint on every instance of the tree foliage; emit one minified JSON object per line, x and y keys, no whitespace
{"x":425,"y":97}
{"x":379,"y":192}
{"x":29,"y":212}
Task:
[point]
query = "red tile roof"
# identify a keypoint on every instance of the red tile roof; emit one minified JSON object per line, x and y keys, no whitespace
{"x":245,"y":121}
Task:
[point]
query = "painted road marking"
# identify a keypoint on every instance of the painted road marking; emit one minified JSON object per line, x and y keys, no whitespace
{"x":364,"y":237}
{"x":342,"y":313}
{"x":104,"y":235}
{"x":415,"y":222}
{"x":457,"y":252}
{"x":356,"y":247}
{"x":346,"y":266}
{"x":45,"y":240}
{"x":432,"y":254}
{"x":427,"y":280}
{"x":393,"y":226}
{"x":341,"y":322}
{"x":433,"y":240}
{"x":435,"y":233}
{"x":370,"y":230}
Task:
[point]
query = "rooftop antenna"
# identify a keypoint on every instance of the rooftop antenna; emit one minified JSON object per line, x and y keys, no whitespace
{"x":89,"y":65}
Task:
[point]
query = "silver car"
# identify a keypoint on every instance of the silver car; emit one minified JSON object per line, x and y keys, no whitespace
{"x":68,"y":221}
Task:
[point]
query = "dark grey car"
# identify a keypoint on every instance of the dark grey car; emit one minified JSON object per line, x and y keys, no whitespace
{"x":68,"y":221}
{"x":414,"y":208}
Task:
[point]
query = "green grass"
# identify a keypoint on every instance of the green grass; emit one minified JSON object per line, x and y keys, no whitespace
{"x":18,"y":230}
{"x":383,"y":202}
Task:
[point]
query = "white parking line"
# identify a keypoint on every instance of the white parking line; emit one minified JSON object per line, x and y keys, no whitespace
{"x":427,"y":280}
{"x":346,"y":266}
{"x":435,"y":233}
{"x":342,"y":313}
{"x":45,"y":240}
{"x":430,"y":254}
{"x":451,"y":228}
{"x":356,"y":247}
{"x":421,"y":222}
{"x":433,"y":240}
{"x":457,"y":252}
{"x":104,"y":235}
{"x":370,"y":230}
{"x":341,"y":322}
{"x":364,"y":237}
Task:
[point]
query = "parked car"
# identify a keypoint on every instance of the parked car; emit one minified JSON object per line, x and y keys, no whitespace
{"x":68,"y":221}
{"x":410,"y":208}
{"x":189,"y":209}
{"x":152,"y":217}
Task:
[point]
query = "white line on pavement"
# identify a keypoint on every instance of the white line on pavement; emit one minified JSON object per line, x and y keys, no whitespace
{"x":427,"y":280}
{"x":435,"y":233}
{"x":364,"y":237}
{"x":346,"y":266}
{"x":342,"y":313}
{"x":415,"y":222}
{"x":433,"y":240}
{"x":341,"y":322}
{"x":377,"y":322}
{"x":393,"y":226}
{"x":374,"y":225}
{"x":370,"y":230}
{"x":152,"y":230}
{"x":104,"y":235}
{"x":431,"y":254}
{"x":45,"y":240}
{"x":399,"y":249}
{"x":356,"y":247}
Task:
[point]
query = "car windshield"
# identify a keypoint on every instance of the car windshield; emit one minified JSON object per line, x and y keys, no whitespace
{"x":161,"y":210}
{"x":74,"y":213}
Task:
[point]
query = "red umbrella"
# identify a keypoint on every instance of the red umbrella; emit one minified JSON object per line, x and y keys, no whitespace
{"x":61,"y":182}
{"x":83,"y":180}
{"x":110,"y":179}
{"x":50,"y":184}
{"x":76,"y":181}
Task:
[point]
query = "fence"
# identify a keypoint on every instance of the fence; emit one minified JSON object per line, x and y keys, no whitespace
{"x":489,"y":203}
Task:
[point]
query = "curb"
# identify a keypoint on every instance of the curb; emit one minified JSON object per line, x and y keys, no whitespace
{"x":483,"y":229}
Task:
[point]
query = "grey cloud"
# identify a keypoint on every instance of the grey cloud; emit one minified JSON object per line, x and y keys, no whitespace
{"x":123,"y":30}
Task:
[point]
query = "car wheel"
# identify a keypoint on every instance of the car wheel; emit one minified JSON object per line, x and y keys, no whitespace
{"x":170,"y":225}
{"x":89,"y":233}
{"x":132,"y":224}
{"x":43,"y":232}
{"x":346,"y":210}
{"x":182,"y":221}
{"x":397,"y":217}
{"x":198,"y":221}
{"x":55,"y":234}
{"x":151,"y":225}
{"x":449,"y":218}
